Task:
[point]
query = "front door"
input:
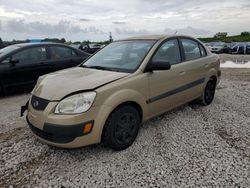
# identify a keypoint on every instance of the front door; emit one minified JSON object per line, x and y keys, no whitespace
{"x":25,"y":67}
{"x":165,"y":85}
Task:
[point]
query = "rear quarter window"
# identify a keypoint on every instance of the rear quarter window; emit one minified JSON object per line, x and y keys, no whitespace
{"x":203,"y":51}
{"x":59,"y":52}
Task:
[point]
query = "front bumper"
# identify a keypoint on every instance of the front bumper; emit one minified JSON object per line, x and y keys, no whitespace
{"x":59,"y":133}
{"x":66,"y":131}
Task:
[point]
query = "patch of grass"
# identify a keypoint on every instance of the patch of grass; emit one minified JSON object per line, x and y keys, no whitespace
{"x":236,"y":38}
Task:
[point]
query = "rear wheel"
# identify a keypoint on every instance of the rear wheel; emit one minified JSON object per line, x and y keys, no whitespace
{"x":209,"y":92}
{"x":121,"y":127}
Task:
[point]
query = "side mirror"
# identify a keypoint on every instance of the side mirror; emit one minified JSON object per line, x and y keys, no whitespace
{"x":158,"y":65}
{"x":14,"y":61}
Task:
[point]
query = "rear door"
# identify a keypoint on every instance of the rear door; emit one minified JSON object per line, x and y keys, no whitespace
{"x":28,"y":64}
{"x":195,"y":65}
{"x":62,"y":57}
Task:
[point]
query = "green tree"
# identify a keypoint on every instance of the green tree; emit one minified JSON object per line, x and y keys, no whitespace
{"x":62,"y":40}
{"x":245,"y":33}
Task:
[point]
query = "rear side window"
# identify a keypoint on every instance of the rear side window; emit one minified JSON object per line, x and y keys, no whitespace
{"x":169,"y":51}
{"x":58,"y":52}
{"x":31,"y":55}
{"x":191,"y":49}
{"x":241,"y":49}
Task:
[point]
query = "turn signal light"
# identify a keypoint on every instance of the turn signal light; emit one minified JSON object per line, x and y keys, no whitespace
{"x":87,"y":128}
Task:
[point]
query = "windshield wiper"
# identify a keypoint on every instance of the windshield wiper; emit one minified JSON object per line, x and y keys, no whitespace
{"x":100,"y":68}
{"x":93,"y":67}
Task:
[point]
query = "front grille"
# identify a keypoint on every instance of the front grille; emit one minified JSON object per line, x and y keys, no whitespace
{"x":38,"y":103}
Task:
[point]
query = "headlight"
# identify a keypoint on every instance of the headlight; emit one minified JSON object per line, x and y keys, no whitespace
{"x":76,"y":104}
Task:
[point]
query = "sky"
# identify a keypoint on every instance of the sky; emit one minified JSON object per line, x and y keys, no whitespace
{"x":79,"y":20}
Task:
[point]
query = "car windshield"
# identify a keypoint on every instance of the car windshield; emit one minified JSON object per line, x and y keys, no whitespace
{"x":122,"y":56}
{"x":8,"y":49}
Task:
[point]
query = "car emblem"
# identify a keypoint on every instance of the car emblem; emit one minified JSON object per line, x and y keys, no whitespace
{"x":35,"y":104}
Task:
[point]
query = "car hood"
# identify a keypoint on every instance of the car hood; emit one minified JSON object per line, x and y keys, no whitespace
{"x":55,"y":86}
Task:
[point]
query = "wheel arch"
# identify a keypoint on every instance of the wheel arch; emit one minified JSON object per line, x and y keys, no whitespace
{"x":211,"y":74}
{"x":125,"y":97}
{"x":214,"y":78}
{"x":130,"y":103}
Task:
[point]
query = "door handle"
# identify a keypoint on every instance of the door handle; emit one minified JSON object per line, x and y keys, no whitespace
{"x":182,"y":72}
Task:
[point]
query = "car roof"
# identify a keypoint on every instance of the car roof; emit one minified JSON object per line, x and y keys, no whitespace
{"x":154,"y":37}
{"x":146,"y":37}
{"x":27,"y":45}
{"x":38,"y":43}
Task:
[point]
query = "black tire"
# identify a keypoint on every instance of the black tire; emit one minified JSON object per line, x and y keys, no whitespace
{"x":208,"y":93}
{"x":121,"y":128}
{"x":1,"y":90}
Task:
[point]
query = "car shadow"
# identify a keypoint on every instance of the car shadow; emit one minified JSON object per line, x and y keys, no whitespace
{"x":15,"y":92}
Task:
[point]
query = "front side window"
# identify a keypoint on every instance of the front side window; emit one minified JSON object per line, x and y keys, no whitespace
{"x":58,"y":52}
{"x":191,"y":49}
{"x":169,"y":52}
{"x":124,"y":56}
{"x":235,"y":48}
{"x":30,"y":55}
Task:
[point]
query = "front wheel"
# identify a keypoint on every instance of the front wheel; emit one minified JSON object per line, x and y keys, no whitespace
{"x":1,"y":90}
{"x":208,"y":93}
{"x":121,"y":128}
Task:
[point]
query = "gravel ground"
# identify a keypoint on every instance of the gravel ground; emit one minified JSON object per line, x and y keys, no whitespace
{"x":188,"y":146}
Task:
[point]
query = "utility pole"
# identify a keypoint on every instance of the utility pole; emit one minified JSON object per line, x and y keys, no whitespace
{"x":110,"y":37}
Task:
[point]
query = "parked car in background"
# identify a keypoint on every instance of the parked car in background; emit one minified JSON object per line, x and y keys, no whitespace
{"x":219,"y":47}
{"x":248,"y":49}
{"x":22,"y":64}
{"x":90,"y":48}
{"x":216,"y":47}
{"x":241,"y":49}
{"x":225,"y":50}
{"x":77,"y":46}
{"x":120,"y":87}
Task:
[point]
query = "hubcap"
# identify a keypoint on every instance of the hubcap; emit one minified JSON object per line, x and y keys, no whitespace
{"x":210,"y":91}
{"x":125,"y":128}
